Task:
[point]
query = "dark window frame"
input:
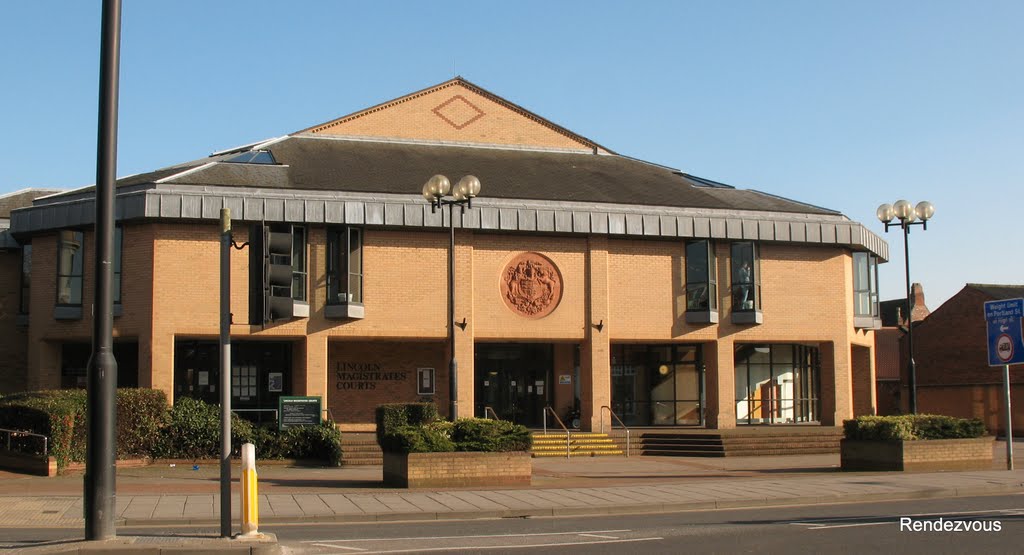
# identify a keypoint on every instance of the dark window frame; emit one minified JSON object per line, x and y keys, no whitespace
{"x":701,"y":286}
{"x":25,"y":288}
{"x":339,"y":265}
{"x":63,"y":272}
{"x":745,"y":290}
{"x":300,"y":264}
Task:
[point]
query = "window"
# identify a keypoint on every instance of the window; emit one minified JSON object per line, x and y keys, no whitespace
{"x":777,"y":384}
{"x":299,"y":272}
{"x":70,"y":260}
{"x":253,"y":157}
{"x":701,"y":285}
{"x":658,"y":385}
{"x":26,"y":279}
{"x":344,"y":266}
{"x":746,"y":290}
{"x":344,"y":273}
{"x":865,"y":290}
{"x":118,"y":240}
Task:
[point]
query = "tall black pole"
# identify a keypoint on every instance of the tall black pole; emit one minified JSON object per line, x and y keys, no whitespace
{"x":225,"y":372}
{"x":453,"y":365}
{"x":911,"y":366}
{"x":102,"y":369}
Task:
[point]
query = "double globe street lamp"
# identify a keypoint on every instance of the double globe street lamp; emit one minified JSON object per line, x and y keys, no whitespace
{"x":908,"y":215}
{"x":437,"y":190}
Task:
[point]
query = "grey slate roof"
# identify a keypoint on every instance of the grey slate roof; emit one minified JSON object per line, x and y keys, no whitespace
{"x":21,"y":199}
{"x":321,"y":164}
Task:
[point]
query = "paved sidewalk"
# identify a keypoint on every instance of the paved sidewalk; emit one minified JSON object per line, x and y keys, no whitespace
{"x":182,"y":494}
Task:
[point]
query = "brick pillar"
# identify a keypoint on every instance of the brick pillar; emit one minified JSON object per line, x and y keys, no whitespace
{"x":465,"y":347}
{"x":836,"y":386}
{"x":44,"y":365}
{"x":720,"y":384}
{"x":864,"y":397}
{"x":595,"y":352}
{"x":309,"y":371}
{"x":156,"y":363}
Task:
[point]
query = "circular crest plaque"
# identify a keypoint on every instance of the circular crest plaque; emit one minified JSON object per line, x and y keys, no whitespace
{"x":531,"y":285}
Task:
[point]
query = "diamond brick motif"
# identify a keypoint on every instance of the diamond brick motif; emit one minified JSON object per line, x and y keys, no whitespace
{"x":458,"y":112}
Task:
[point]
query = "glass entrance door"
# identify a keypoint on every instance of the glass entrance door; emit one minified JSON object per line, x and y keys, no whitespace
{"x":514,"y":380}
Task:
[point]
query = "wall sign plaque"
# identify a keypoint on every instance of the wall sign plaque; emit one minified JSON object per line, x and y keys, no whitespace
{"x":531,"y":285}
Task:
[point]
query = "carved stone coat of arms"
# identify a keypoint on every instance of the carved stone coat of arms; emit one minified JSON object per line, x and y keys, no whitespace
{"x":531,"y":285}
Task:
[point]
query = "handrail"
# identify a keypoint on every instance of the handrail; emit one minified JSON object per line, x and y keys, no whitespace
{"x":11,"y":433}
{"x":548,"y":409}
{"x":612,"y":425}
{"x":490,"y":410}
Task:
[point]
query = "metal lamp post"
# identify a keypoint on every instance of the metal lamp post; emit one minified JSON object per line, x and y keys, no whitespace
{"x":907,"y":214}
{"x":436,"y":190}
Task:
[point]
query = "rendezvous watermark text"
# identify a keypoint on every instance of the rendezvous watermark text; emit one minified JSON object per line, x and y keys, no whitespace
{"x":908,"y":524}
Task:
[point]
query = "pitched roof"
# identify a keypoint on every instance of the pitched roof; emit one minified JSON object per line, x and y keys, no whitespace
{"x":320,"y":163}
{"x":458,"y":81}
{"x":999,"y":291}
{"x":21,"y":199}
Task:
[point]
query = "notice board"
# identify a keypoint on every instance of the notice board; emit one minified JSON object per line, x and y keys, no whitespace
{"x":296,"y":411}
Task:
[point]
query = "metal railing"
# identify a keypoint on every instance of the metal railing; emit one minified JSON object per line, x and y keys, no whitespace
{"x":19,"y":433}
{"x":491,"y":411}
{"x":611,"y":425}
{"x":568,"y":439}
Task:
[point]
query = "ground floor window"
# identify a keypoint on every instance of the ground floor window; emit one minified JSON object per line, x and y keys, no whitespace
{"x":74,"y":362}
{"x":777,"y":384}
{"x":260,"y":374}
{"x":658,"y":385}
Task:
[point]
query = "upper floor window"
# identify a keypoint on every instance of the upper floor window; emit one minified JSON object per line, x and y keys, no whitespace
{"x":701,"y":281}
{"x":865,"y":290}
{"x":70,"y":267}
{"x":118,"y":242}
{"x":26,"y":278}
{"x":746,"y":283}
{"x":701,"y":286}
{"x":299,"y":271}
{"x":344,"y":265}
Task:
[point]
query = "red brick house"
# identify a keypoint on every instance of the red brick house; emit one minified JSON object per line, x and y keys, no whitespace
{"x":953,"y":375}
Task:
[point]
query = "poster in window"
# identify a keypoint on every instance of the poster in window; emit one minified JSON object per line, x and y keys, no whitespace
{"x":275,"y":382}
{"x":425,"y":381}
{"x":204,"y":378}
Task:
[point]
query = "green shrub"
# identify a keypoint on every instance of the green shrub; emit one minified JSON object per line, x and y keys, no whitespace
{"x":392,"y":416}
{"x":58,"y":414}
{"x":193,"y":431}
{"x":141,"y":413}
{"x":910,"y":427}
{"x":321,"y":442}
{"x":418,"y":439}
{"x":479,"y":434}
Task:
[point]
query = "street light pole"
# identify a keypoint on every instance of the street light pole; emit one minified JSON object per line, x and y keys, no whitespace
{"x":435,"y":191}
{"x":906,"y":214}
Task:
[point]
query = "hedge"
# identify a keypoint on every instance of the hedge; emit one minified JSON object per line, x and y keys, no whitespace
{"x":414,"y":428}
{"x":147,"y":427}
{"x":910,"y":427}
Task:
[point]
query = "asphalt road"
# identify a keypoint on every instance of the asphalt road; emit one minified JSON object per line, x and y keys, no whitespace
{"x":835,"y":529}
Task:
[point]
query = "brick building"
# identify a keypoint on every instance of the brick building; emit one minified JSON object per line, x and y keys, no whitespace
{"x":582,"y":277}
{"x":890,"y":362}
{"x":953,"y":375}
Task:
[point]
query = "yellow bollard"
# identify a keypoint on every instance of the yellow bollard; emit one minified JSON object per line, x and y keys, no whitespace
{"x":250,"y":494}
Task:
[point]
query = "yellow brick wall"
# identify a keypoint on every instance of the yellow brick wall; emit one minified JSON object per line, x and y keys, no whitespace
{"x":414,"y":117}
{"x":633,"y":287}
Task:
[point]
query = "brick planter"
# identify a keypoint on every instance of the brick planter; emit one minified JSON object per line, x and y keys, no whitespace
{"x":457,"y":469}
{"x":930,"y":454}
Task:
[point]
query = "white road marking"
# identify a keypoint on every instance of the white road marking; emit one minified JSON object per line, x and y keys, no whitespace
{"x":568,"y":533}
{"x":339,"y":546}
{"x":598,"y":536}
{"x":509,"y":547}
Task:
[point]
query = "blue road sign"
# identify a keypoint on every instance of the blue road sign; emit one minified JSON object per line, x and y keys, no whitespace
{"x":1005,"y":343}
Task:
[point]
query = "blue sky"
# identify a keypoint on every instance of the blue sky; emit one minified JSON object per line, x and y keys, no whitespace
{"x":840,"y":104}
